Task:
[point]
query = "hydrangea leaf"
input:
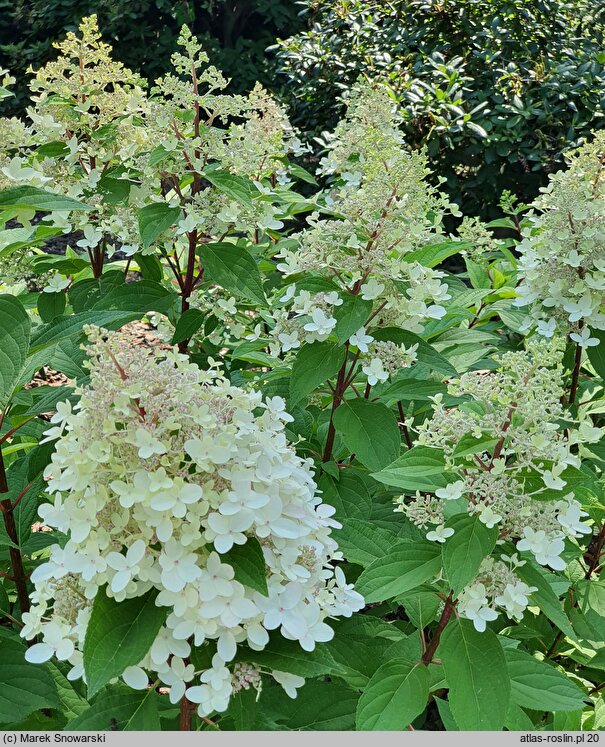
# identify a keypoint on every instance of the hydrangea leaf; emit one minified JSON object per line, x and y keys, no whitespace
{"x":394,"y":696}
{"x":463,"y":552}
{"x":14,"y":341}
{"x":119,"y":634}
{"x":477,"y":676}
{"x":248,"y":564}
{"x":155,"y":219}
{"x":420,"y":468}
{"x":407,"y":566}
{"x":24,"y":687}
{"x":315,"y":363}
{"x":234,"y":269}
{"x":539,"y":686}
{"x":369,"y":430}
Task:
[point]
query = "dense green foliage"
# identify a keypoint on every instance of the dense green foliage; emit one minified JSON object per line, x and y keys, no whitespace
{"x":498,"y":91}
{"x":144,"y":33}
{"x":265,"y":463}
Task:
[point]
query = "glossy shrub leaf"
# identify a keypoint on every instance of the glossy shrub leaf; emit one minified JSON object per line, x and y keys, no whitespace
{"x":314,"y":364}
{"x":287,"y":656}
{"x":539,"y":686}
{"x":395,"y":695}
{"x":51,"y":305}
{"x":545,"y":598}
{"x":463,"y":552}
{"x":369,"y":431}
{"x":237,"y":187}
{"x":249,"y":565}
{"x":188,"y":324}
{"x":14,"y":341}
{"x":420,"y":468}
{"x":33,"y":198}
{"x":320,"y":706}
{"x":596,"y":353}
{"x":407,"y":566}
{"x":120,"y":711}
{"x":350,"y":315}
{"x":155,"y":219}
{"x":141,"y":296}
{"x":477,"y":676}
{"x":349,"y":495}
{"x":119,"y":635}
{"x":234,"y":269}
{"x":363,"y":542}
{"x":24,"y":687}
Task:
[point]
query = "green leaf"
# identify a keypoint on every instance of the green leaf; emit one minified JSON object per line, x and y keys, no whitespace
{"x":288,"y":656}
{"x":141,"y":297}
{"x":596,"y":353}
{"x":249,"y":565}
{"x":369,"y":431}
{"x":67,"y":327}
{"x":120,"y":711}
{"x":32,"y":198}
{"x":434,"y":254}
{"x":425,"y":353}
{"x":362,"y":542}
{"x":463,"y":552}
{"x":14,"y":341}
{"x":477,"y":676}
{"x":51,"y":305}
{"x":407,"y":566}
{"x":408,"y":390}
{"x":314,"y":364}
{"x":150,"y":266}
{"x":234,"y":269}
{"x":395,"y":695}
{"x":320,"y":706}
{"x":545,"y":598}
{"x":420,"y":468}
{"x":348,"y":494}
{"x":119,"y":634}
{"x":188,"y":324}
{"x":237,"y":187}
{"x":155,"y":219}
{"x":71,"y":703}
{"x":24,"y":687}
{"x":539,"y":686}
{"x":350,"y":316}
{"x":469,"y":445}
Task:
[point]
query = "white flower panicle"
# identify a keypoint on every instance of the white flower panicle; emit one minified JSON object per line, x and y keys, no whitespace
{"x":515,"y":478}
{"x":562,"y":262}
{"x":158,"y":472}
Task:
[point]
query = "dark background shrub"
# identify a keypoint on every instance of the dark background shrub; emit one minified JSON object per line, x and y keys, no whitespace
{"x":143,"y":33}
{"x":498,"y":90}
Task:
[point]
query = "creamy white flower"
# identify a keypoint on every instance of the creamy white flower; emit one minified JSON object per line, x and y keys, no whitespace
{"x":361,"y":340}
{"x":440,"y":533}
{"x":371,"y":290}
{"x":375,"y":372}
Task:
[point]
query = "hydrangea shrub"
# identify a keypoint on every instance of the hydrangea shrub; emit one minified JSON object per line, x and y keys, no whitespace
{"x":332,"y":484}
